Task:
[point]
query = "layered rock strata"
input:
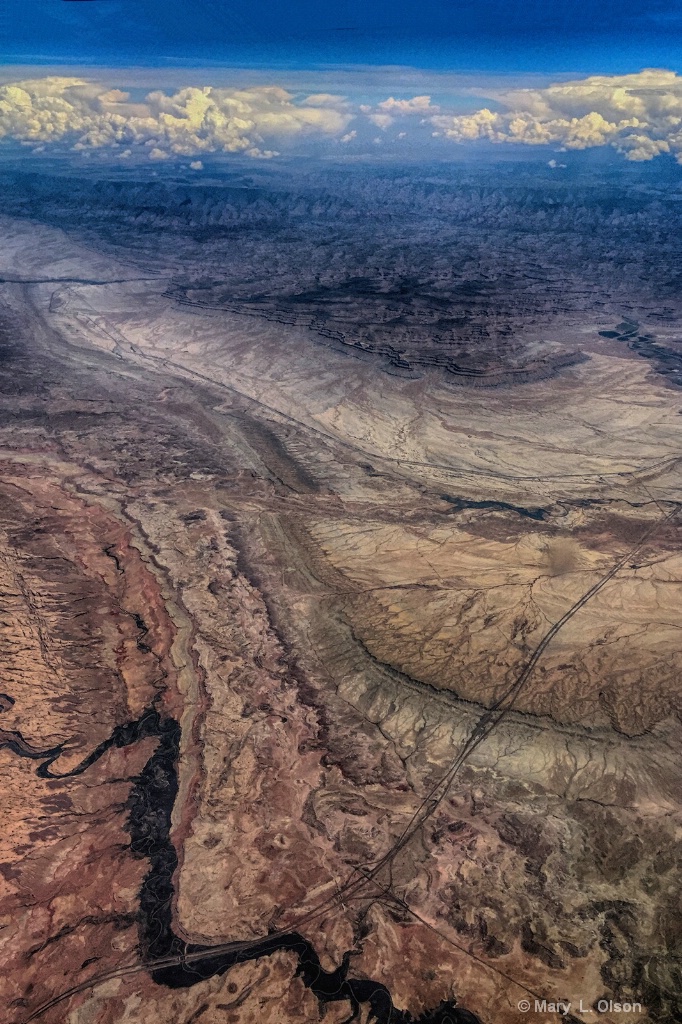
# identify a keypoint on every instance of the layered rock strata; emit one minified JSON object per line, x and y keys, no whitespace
{"x":261,"y":600}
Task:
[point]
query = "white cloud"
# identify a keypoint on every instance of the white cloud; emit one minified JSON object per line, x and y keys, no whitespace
{"x":191,"y":121}
{"x":388,"y":111}
{"x":640,"y":115}
{"x":643,"y":147}
{"x":554,"y":164}
{"x":196,"y":165}
{"x":382,"y":121}
{"x":416,"y":105}
{"x":325,"y":99}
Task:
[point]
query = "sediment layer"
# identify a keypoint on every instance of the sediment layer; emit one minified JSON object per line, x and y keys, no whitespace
{"x":261,"y":595}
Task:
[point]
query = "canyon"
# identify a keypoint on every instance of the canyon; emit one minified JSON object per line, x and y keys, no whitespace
{"x":340,"y":660}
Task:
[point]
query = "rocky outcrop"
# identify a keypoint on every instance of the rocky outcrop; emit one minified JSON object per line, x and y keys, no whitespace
{"x":296,"y":715}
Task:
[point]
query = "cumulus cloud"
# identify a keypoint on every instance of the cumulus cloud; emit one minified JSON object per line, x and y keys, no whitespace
{"x":390,"y":109}
{"x":85,"y":116}
{"x":640,"y":115}
{"x":416,"y":105}
{"x":382,"y":121}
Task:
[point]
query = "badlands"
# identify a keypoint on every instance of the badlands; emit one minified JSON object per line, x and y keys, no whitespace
{"x":336,"y":679}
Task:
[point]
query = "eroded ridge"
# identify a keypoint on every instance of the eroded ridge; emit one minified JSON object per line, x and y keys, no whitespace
{"x":265,"y":624}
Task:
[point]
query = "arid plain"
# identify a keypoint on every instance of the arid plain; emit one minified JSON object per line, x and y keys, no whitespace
{"x":301,"y":640}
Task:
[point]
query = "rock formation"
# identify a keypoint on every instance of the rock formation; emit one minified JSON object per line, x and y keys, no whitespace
{"x":330,"y":684}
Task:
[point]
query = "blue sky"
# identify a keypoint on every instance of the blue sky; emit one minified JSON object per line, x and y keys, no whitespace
{"x":564,"y":36}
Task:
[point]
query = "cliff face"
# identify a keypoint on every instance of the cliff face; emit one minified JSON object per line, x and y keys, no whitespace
{"x":327,"y":686}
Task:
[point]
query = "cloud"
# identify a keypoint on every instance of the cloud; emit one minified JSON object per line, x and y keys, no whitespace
{"x":382,"y":121}
{"x":640,"y":115}
{"x":325,"y":99}
{"x":390,"y":109}
{"x":417,"y":105}
{"x":85,"y":115}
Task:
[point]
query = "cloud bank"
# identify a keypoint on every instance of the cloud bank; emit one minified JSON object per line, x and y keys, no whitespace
{"x":86,"y":115}
{"x":639,"y":115}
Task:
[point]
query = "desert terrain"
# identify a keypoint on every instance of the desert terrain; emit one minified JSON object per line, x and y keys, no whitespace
{"x":340,"y":677}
